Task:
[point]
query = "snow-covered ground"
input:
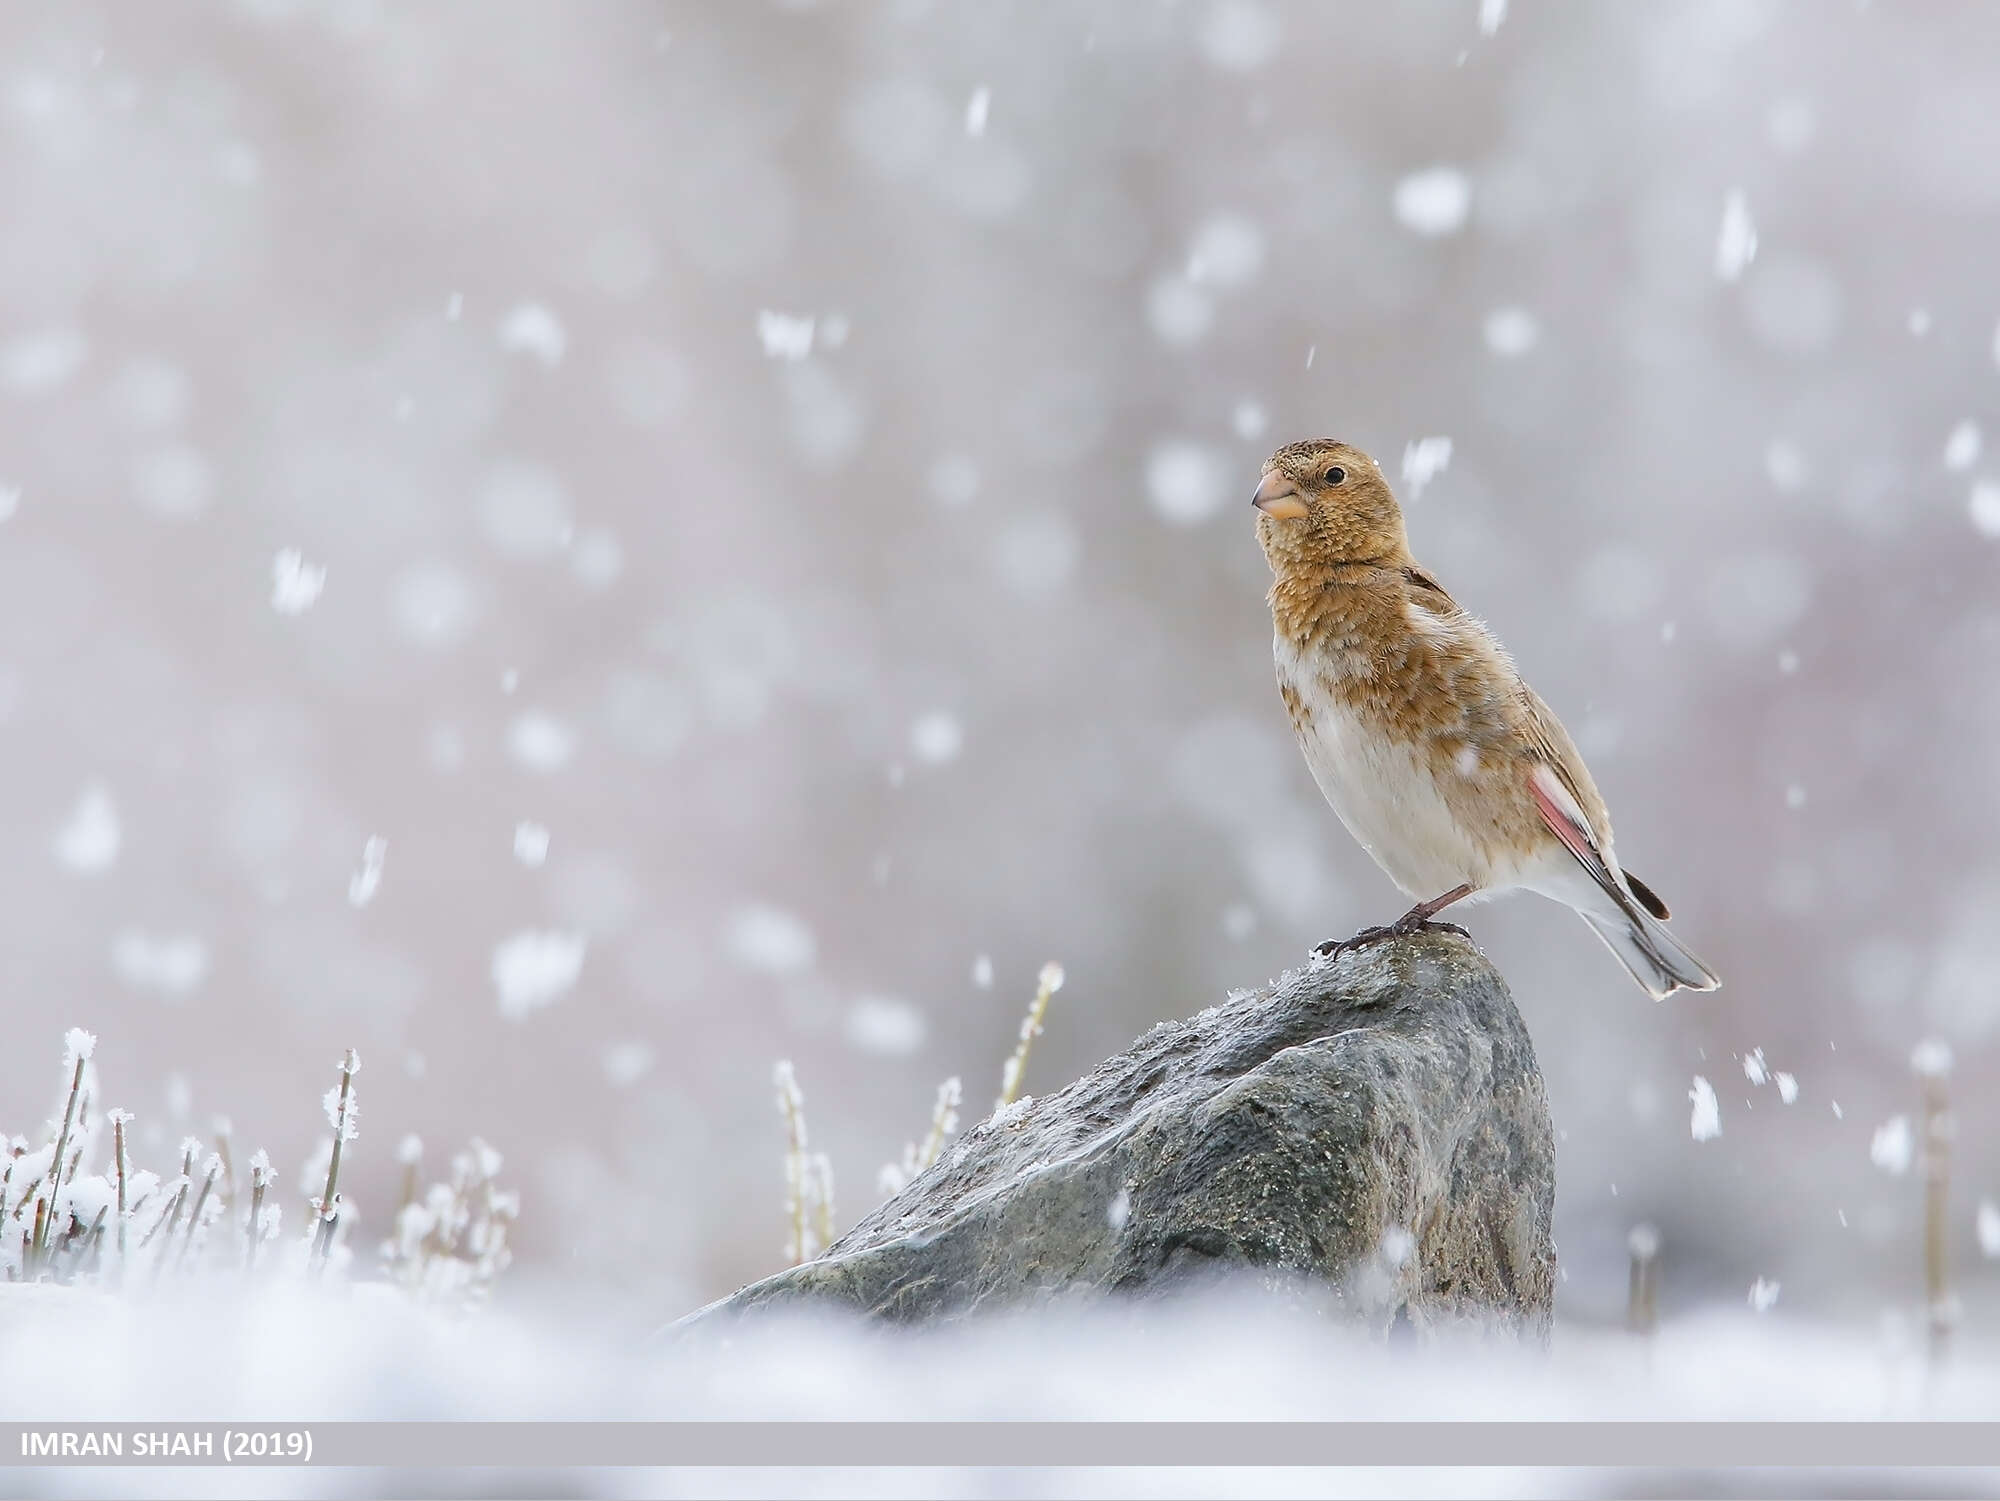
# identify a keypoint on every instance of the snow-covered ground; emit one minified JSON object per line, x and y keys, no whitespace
{"x":297,"y":1353}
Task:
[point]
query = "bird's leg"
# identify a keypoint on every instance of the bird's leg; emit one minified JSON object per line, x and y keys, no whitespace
{"x":1416,"y":920}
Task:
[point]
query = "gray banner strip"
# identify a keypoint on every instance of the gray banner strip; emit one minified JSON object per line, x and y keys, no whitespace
{"x":1677,"y":1445}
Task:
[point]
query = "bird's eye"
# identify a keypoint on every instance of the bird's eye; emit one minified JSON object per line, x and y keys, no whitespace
{"x":1334,"y":475}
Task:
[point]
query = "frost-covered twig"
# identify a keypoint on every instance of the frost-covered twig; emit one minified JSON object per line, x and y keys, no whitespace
{"x":341,"y":1113}
{"x":211,"y":1171}
{"x":822,"y":1196}
{"x":119,"y":1120}
{"x":1047,"y":984}
{"x":944,"y":1120}
{"x":227,"y":1182}
{"x":792,"y":1106}
{"x":1932,"y":1062}
{"x":1642,"y":1300}
{"x":79,"y":1044}
{"x":260,"y":1180}
{"x":450,"y":1244}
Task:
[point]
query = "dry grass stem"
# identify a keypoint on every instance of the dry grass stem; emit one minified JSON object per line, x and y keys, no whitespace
{"x":1047,"y":984}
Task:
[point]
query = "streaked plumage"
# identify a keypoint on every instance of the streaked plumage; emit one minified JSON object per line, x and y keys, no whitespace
{"x":1442,"y":763}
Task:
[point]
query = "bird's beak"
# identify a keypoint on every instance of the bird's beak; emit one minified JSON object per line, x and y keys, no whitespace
{"x":1278,"y":498}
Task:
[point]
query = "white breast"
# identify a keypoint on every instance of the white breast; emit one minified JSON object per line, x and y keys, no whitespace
{"x":1383,"y":792}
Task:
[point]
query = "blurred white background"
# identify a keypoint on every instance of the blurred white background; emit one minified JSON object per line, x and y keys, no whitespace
{"x":780,"y":474}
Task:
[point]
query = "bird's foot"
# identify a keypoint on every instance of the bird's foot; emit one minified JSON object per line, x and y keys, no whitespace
{"x":1404,"y":927}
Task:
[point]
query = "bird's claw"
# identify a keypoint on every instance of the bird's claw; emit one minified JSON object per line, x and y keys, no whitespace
{"x":1405,"y":927}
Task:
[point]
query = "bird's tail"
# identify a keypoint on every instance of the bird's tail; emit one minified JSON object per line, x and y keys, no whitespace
{"x":1658,"y":960}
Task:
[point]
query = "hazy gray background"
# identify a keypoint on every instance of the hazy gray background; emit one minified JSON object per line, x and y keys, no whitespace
{"x":828,"y":675}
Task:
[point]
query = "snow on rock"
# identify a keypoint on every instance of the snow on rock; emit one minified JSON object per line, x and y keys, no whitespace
{"x":1705,"y":1124}
{"x":534,"y":969}
{"x":1434,"y":202}
{"x":89,"y":838}
{"x":295,"y":583}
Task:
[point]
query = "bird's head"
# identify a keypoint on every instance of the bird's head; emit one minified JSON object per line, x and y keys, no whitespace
{"x":1326,"y":502}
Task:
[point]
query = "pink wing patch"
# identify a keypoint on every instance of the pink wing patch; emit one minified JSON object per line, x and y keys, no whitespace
{"x":1562,"y":815}
{"x":1565,"y":819}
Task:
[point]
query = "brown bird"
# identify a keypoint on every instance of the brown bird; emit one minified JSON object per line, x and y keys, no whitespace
{"x":1441,"y":762}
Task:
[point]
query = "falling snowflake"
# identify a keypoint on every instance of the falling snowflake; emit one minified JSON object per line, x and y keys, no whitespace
{"x":295,"y":583}
{"x":936,"y":738}
{"x":1892,"y":1146}
{"x":1962,"y":448}
{"x":1763,"y":1294}
{"x":531,"y":843}
{"x":89,"y":838}
{"x":771,"y":940}
{"x":1983,"y":506}
{"x":1511,"y":332}
{"x":1706,"y":1122}
{"x":361,"y":886}
{"x":1931,"y":1058}
{"x":533,"y":329}
{"x":535,"y":969}
{"x":784,"y":335}
{"x":1434,"y":202}
{"x":1736,"y":240}
{"x":1423,"y":461}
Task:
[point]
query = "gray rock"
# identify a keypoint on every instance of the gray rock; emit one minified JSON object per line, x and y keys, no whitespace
{"x":1370,"y":1132}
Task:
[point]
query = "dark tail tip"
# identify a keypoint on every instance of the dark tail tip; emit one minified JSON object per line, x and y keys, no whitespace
{"x":1647,"y":897}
